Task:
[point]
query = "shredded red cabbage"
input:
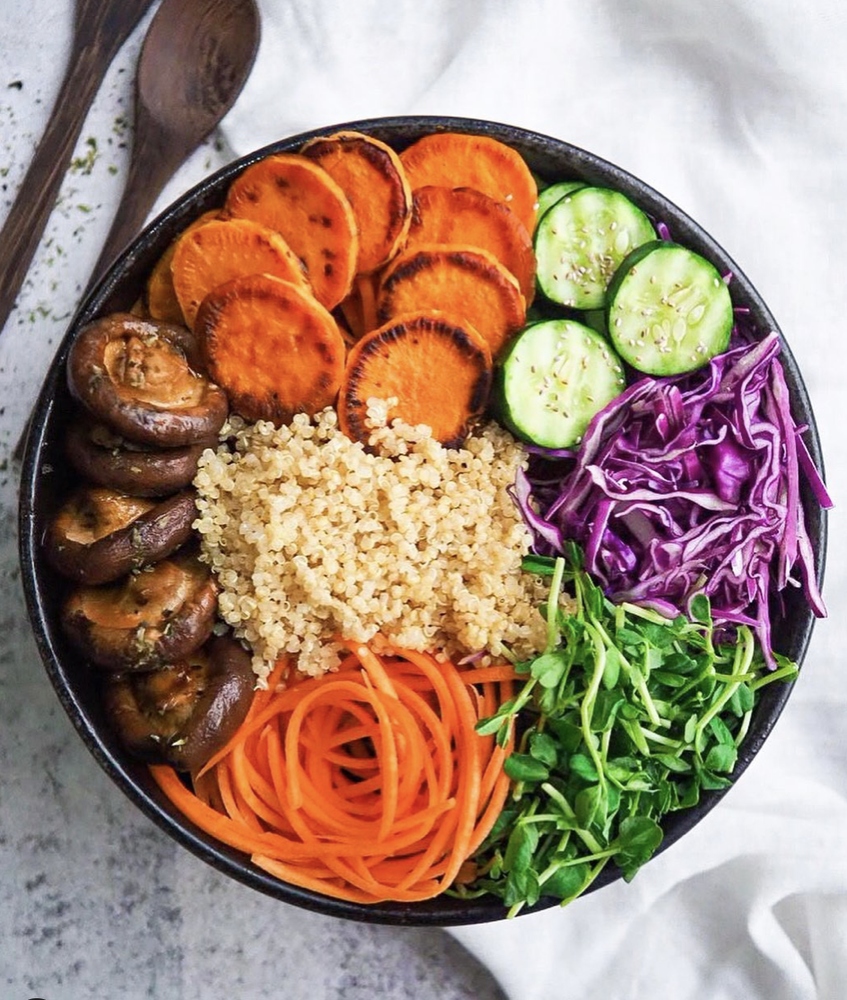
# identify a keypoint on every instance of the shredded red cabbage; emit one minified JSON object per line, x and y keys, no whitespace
{"x":688,"y":485}
{"x":541,"y":529}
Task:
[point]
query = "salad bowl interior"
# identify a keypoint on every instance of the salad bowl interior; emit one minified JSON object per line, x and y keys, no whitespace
{"x":47,"y":478}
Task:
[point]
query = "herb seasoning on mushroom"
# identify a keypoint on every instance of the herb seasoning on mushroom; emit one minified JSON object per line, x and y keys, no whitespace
{"x":99,"y":534}
{"x":107,"y":459}
{"x":143,"y":379}
{"x":187,"y":711}
{"x":153,"y":617}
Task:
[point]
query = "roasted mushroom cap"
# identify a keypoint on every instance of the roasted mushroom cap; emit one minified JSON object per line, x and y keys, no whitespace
{"x":100,"y":535}
{"x":156,"y":616}
{"x":185,"y":712}
{"x":143,"y":379}
{"x":107,"y":459}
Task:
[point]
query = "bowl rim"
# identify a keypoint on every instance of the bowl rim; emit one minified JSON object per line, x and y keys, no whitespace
{"x":443,"y":911}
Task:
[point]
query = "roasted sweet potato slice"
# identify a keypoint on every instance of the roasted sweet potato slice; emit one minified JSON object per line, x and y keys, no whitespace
{"x":372,"y":176}
{"x":359,"y":308}
{"x":367,"y":286}
{"x":297,"y":197}
{"x":465,"y":282}
{"x":437,"y":369}
{"x":470,"y":218}
{"x":225,"y":249}
{"x":273,"y":348}
{"x":160,"y":297}
{"x":452,"y":159}
{"x":349,"y":315}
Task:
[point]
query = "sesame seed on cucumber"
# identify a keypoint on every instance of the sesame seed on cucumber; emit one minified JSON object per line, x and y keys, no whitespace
{"x":668,"y":310}
{"x":555,"y":377}
{"x":554,"y":193}
{"x":581,"y":241}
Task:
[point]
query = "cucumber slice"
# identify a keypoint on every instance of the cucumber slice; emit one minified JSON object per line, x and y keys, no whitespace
{"x":581,"y":241}
{"x":555,"y":377}
{"x":555,"y":192}
{"x":669,"y":311}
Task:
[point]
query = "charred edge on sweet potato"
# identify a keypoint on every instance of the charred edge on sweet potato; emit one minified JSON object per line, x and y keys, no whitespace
{"x":296,"y":197}
{"x":257,"y":334}
{"x":465,"y":217}
{"x":352,"y":407}
{"x":386,"y":163}
{"x":380,"y":160}
{"x":483,"y":293}
{"x":425,"y":260}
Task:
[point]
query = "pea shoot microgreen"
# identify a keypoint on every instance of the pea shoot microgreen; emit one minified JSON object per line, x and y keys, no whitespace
{"x":624,"y":717}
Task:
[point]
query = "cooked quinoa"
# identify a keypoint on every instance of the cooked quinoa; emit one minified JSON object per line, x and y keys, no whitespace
{"x":313,"y":537}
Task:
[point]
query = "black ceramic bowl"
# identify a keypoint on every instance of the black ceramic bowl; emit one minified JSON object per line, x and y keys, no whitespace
{"x":46,"y":480}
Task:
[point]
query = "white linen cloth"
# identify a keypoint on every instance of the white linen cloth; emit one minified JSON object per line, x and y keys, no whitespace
{"x":737,"y":111}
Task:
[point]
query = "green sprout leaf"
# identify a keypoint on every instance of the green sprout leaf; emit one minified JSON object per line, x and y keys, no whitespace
{"x":549,"y":668}
{"x":538,"y":565}
{"x":722,"y":758}
{"x":700,"y":609}
{"x":543,"y":747}
{"x":520,"y":848}
{"x":583,"y":766}
{"x":638,"y":839}
{"x":566,"y":882}
{"x":522,"y":767}
{"x":612,"y":669}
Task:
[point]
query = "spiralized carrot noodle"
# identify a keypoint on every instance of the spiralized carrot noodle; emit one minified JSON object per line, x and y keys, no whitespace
{"x":368,"y":784}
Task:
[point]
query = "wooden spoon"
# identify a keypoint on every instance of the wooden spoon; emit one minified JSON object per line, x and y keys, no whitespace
{"x":194,"y":61}
{"x":100,"y":28}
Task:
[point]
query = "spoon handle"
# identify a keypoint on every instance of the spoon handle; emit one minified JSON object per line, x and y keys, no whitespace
{"x":99,"y":31}
{"x":155,"y":158}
